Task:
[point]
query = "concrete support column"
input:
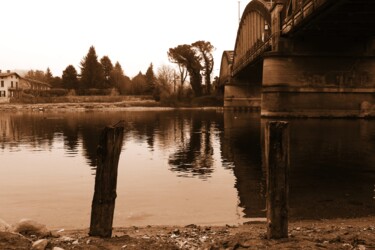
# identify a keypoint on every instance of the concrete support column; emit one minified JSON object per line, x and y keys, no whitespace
{"x":318,"y":86}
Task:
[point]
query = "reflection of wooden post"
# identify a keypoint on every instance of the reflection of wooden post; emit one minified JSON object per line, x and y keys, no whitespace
{"x":277,"y":164}
{"x":103,"y":203}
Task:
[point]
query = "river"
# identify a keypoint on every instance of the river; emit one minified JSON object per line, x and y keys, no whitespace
{"x":179,"y":167}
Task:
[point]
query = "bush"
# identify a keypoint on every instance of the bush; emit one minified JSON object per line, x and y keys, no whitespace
{"x":208,"y":101}
{"x":46,"y":93}
{"x":99,"y":92}
{"x":57,"y":92}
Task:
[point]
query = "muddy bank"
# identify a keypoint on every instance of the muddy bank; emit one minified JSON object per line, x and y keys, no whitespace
{"x":324,"y":234}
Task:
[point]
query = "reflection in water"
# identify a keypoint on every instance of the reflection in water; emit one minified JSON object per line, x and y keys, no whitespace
{"x":241,"y":145}
{"x":45,"y":159}
{"x":194,"y":154}
{"x":332,"y":168}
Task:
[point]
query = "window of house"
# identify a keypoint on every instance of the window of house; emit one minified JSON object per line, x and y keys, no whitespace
{"x":2,"y":84}
{"x":16,"y":85}
{"x":11,"y":84}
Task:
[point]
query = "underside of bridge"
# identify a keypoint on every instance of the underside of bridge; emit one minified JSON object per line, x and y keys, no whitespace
{"x":324,"y":65}
{"x":313,"y":58}
{"x":245,"y":86}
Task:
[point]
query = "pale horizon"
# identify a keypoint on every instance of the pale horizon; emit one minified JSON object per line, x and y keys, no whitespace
{"x":45,"y":34}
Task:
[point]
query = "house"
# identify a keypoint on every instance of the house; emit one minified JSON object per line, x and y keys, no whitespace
{"x":27,"y":83}
{"x":9,"y":85}
{"x":12,"y":85}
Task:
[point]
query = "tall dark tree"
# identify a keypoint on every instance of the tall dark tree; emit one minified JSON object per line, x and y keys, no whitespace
{"x":92,"y":75}
{"x":120,"y":80}
{"x":56,"y":82}
{"x":48,"y":76}
{"x":182,"y":70}
{"x":150,"y":80}
{"x":205,"y":50}
{"x":186,"y":56}
{"x":139,"y":84}
{"x":69,"y":78}
{"x":107,"y":69}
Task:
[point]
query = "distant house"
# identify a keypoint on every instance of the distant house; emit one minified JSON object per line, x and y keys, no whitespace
{"x":12,"y":84}
{"x":27,"y":83}
{"x":9,"y":85}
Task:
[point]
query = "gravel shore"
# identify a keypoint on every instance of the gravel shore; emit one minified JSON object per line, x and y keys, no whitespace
{"x":323,"y":234}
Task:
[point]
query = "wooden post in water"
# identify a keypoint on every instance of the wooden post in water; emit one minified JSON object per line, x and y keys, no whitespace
{"x":103,"y":203}
{"x":277,"y":167}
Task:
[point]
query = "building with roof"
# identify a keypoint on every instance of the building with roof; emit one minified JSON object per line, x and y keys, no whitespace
{"x":12,"y":85}
{"x":9,"y":85}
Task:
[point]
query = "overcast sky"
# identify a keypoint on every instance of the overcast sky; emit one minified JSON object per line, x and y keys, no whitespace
{"x":36,"y":34}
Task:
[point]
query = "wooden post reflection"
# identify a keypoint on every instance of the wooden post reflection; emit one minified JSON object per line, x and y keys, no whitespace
{"x":277,"y":166}
{"x":103,"y":203}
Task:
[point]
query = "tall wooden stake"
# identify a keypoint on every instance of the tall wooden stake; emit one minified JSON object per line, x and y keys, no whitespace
{"x":277,"y":166}
{"x":103,"y":203}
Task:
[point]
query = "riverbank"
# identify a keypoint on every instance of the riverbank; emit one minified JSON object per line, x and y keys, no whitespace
{"x":320,"y":234}
{"x":88,"y":107}
{"x":108,"y":103}
{"x":76,"y":107}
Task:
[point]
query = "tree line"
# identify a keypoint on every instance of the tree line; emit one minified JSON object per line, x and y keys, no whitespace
{"x":99,"y":76}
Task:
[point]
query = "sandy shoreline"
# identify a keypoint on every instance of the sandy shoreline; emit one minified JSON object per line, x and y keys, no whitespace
{"x":93,"y":106}
{"x":319,"y":234}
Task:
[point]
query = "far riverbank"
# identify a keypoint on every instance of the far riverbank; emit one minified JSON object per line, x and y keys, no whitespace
{"x":82,"y":103}
{"x":94,"y":106}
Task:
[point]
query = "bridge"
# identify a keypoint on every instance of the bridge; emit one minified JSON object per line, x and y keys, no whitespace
{"x":312,"y":58}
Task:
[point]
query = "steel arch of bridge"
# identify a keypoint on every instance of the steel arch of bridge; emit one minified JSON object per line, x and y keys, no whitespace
{"x":253,"y":35}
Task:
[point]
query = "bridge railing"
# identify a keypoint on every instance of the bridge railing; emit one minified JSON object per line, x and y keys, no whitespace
{"x":305,"y":9}
{"x":254,"y":52}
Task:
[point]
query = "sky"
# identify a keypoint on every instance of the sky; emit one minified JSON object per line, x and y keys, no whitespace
{"x":36,"y":34}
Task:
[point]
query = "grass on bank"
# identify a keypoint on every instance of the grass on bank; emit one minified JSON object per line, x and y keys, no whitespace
{"x":126,"y":100}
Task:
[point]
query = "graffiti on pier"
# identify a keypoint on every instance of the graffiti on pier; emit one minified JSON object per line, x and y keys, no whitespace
{"x":352,"y":78}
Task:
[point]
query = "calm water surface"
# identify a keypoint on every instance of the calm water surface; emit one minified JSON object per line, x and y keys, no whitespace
{"x":180,"y":167}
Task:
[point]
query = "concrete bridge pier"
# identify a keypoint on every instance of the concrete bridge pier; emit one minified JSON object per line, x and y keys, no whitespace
{"x":242,"y":97}
{"x":244,"y":90}
{"x":319,"y":77}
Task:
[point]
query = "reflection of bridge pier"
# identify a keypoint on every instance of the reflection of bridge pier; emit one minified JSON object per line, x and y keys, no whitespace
{"x":309,"y":58}
{"x":240,"y":145}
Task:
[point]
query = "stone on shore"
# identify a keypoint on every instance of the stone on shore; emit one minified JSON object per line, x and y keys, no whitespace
{"x":30,"y":227}
{"x":12,"y":241}
{"x":40,"y":244}
{"x":4,"y":227}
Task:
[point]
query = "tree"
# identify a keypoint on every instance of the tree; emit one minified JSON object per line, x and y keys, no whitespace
{"x":165,"y":81}
{"x":182,"y":70}
{"x":205,"y":50}
{"x":185,"y":56}
{"x":69,"y":78}
{"x":150,"y":80}
{"x":120,"y":80}
{"x":138,"y":84}
{"x":107,"y":69}
{"x":92,"y":75}
{"x":56,"y":82}
{"x":36,"y":75}
{"x":48,"y":76}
